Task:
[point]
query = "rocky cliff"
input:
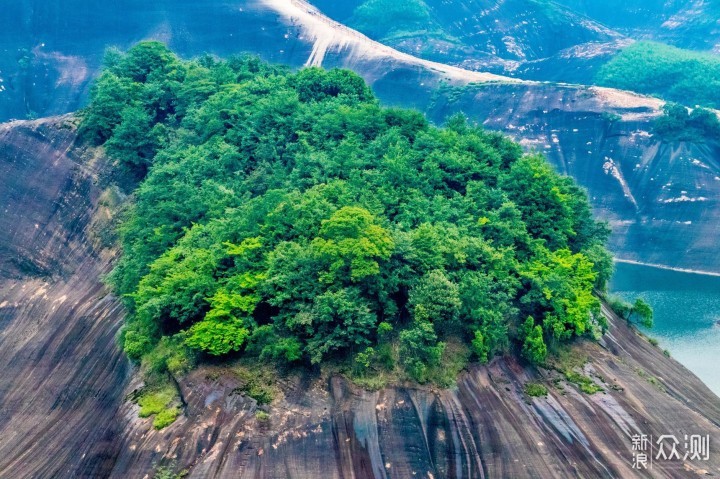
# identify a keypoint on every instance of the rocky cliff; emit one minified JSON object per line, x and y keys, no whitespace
{"x":64,"y":402}
{"x":63,"y":374}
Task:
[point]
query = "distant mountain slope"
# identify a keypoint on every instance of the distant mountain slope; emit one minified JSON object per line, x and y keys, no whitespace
{"x":515,"y":37}
{"x":296,"y":33}
{"x":690,"y":24}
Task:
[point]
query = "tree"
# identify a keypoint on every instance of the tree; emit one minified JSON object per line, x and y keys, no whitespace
{"x":420,"y":349}
{"x":561,"y":292}
{"x":352,"y":244}
{"x":217,"y":337}
{"x":135,"y":140}
{"x":337,"y":321}
{"x":640,"y":308}
{"x":109,"y":97}
{"x":534,"y":348}
{"x":643,"y":311}
{"x":436,"y":300}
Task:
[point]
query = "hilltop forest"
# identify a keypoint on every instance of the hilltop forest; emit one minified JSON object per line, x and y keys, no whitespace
{"x":288,"y":216}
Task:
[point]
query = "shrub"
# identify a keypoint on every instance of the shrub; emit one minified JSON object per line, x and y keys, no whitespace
{"x":583,"y":382}
{"x":166,"y":417}
{"x":669,"y":72}
{"x":535,"y":390}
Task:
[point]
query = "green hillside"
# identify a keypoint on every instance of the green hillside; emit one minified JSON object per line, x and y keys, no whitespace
{"x":291,"y":218}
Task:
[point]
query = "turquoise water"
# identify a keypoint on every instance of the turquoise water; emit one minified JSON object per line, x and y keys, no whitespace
{"x":687,"y":311}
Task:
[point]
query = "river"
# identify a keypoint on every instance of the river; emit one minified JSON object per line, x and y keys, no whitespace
{"x":687,"y":311}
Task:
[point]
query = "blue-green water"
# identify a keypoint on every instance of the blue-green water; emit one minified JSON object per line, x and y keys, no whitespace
{"x":687,"y":311}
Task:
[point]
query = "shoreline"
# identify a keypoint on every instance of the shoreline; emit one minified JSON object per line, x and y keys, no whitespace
{"x":668,"y":268}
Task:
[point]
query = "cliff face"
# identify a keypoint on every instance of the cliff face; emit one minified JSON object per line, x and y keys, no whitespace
{"x":485,"y":427}
{"x":63,"y":375}
{"x":64,"y":412}
{"x":523,"y":38}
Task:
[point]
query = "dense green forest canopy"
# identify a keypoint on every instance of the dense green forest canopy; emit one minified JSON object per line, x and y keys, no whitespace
{"x":683,"y":76}
{"x":382,"y":18}
{"x":289,"y":217}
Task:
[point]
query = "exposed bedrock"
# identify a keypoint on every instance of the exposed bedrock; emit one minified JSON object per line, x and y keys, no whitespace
{"x":485,"y":427}
{"x":64,"y":414}
{"x":63,"y":375}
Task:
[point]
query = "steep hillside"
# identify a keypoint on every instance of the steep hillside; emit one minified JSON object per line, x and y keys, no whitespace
{"x":70,"y":418}
{"x":531,"y":39}
{"x":686,"y":24}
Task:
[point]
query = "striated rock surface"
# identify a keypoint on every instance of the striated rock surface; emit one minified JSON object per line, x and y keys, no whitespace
{"x":63,"y":376}
{"x":486,"y":427}
{"x":64,"y":414}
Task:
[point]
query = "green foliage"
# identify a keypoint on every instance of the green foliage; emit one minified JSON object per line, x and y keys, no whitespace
{"x":287,"y":217}
{"x":364,"y":360}
{"x":169,"y":356}
{"x":479,"y":347}
{"x":381,"y":18}
{"x":166,"y":417}
{"x":352,"y":244}
{"x":420,"y":349}
{"x":583,"y":382}
{"x":168,"y":472}
{"x":153,"y":402}
{"x":621,"y":307}
{"x":639,"y":309}
{"x":159,"y":403}
{"x":217,"y":337}
{"x":677,"y":124}
{"x":535,"y":390}
{"x":436,"y":299}
{"x":534,"y":348}
{"x":685,"y":76}
{"x":561,"y":284}
{"x":256,"y":383}
{"x":643,"y":312}
{"x":262,"y":416}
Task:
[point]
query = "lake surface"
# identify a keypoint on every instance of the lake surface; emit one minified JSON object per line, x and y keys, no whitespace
{"x":687,"y":311}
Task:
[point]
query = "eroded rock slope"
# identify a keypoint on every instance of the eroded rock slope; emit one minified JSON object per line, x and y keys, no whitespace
{"x":63,"y":375}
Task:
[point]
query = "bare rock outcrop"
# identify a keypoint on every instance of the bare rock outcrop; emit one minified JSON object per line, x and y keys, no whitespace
{"x":63,"y":375}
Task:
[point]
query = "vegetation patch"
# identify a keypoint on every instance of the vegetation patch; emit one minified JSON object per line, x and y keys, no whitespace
{"x":583,"y":382}
{"x":679,"y":124}
{"x":161,"y":403}
{"x":688,"y":77}
{"x":651,"y":379}
{"x":639,"y":311}
{"x":169,"y":472}
{"x":288,"y":219}
{"x":383,"y":18}
{"x":535,"y":390}
{"x":257,"y":382}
